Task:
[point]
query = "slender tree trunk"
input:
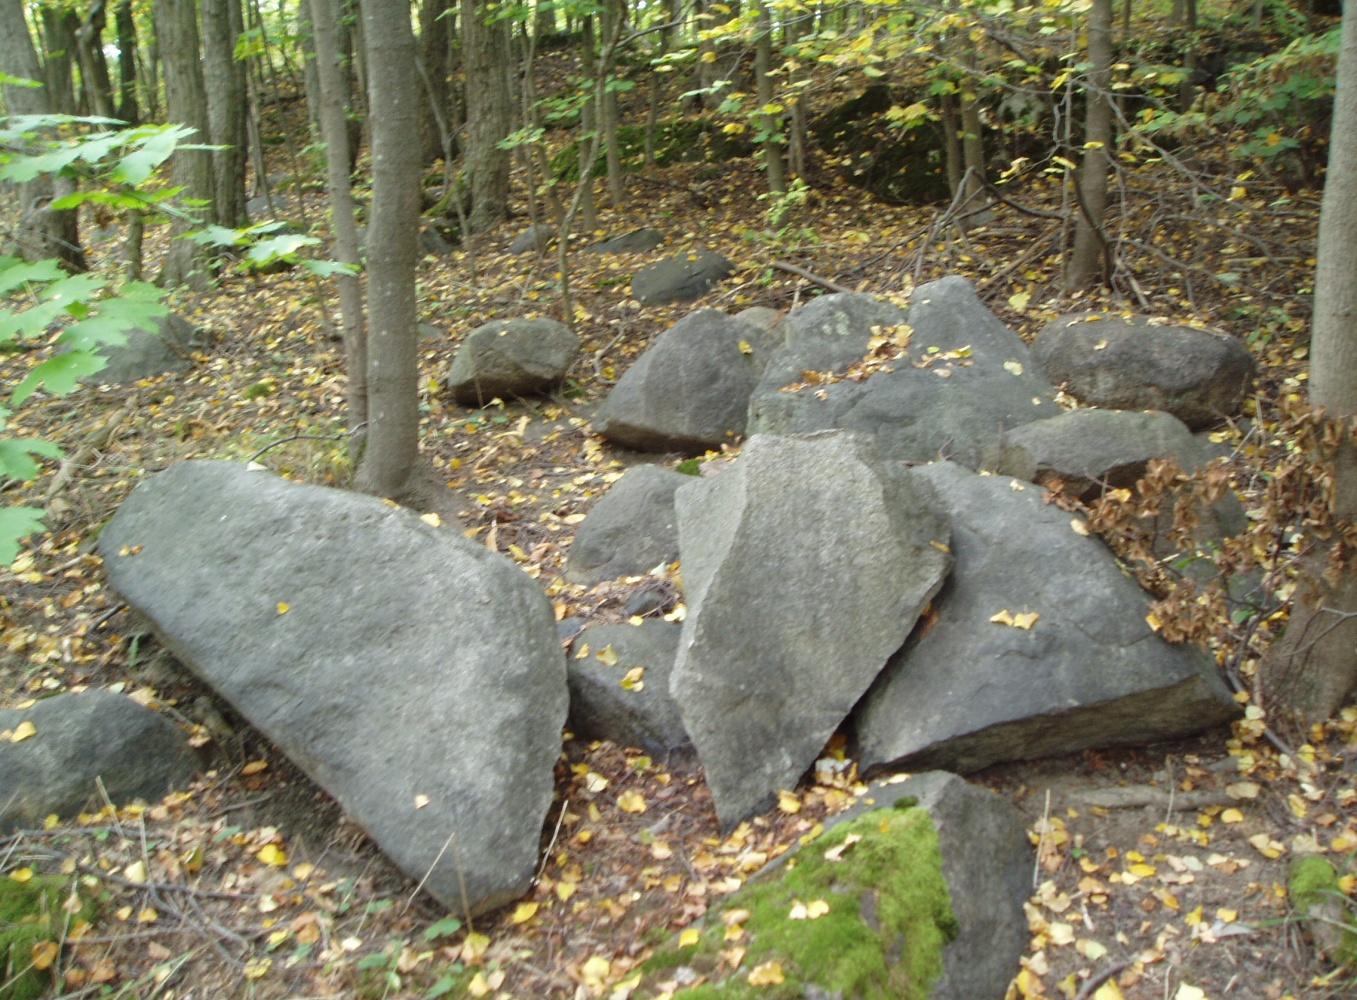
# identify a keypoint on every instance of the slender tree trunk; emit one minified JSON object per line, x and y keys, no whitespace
{"x":310,"y":78}
{"x":148,"y":74}
{"x":974,"y":205}
{"x":434,"y":33}
{"x":1187,"y":90}
{"x":41,"y":233}
{"x":335,"y":131}
{"x":951,"y":138}
{"x":226,"y":107}
{"x":796,"y":135}
{"x":614,"y":16}
{"x":1310,"y":671}
{"x":770,"y":124}
{"x":186,"y":103}
{"x":1088,"y":257}
{"x":587,"y":208}
{"x":393,"y":231}
{"x":489,"y":96}
{"x":59,"y":25}
{"x":128,"y":109}
{"x":94,"y":79}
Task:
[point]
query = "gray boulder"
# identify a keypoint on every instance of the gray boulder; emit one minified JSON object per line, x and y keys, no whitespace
{"x":962,"y":381}
{"x":679,"y":278}
{"x":511,"y":357}
{"x":630,"y":530}
{"x":413,"y":675}
{"x":147,"y":353}
{"x":641,"y":712}
{"x":1133,"y":363}
{"x":967,"y":691}
{"x":81,"y":739}
{"x":923,"y":884}
{"x":793,"y":605}
{"x":688,"y":392}
{"x":636,"y":241}
{"x":533,"y":238}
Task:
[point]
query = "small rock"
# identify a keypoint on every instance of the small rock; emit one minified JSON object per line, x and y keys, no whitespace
{"x":511,"y":358}
{"x":626,"y":699}
{"x":630,"y":530}
{"x":636,"y":241}
{"x":683,"y":276}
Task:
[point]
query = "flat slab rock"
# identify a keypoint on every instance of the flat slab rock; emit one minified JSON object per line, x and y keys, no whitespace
{"x":79,"y":740}
{"x":961,"y":381}
{"x":967,"y":691}
{"x":619,"y":686}
{"x":793,"y":607}
{"x":679,"y":278}
{"x":1131,"y":362}
{"x":414,"y":675}
{"x":630,"y":530}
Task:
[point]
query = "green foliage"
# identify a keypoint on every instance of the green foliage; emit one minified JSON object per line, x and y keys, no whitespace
{"x":1314,"y":889}
{"x":32,"y":916}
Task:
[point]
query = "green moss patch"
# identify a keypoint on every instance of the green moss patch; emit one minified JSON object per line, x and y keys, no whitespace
{"x":1316,"y":896}
{"x":31,"y":913}
{"x":874,"y":914}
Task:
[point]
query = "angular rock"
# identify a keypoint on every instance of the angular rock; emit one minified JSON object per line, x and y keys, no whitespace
{"x":148,"y":353}
{"x":967,"y":692}
{"x":511,"y":357}
{"x":805,"y":566}
{"x":962,"y":381}
{"x":533,"y":238}
{"x":640,"y":714}
{"x":630,"y":530}
{"x":636,"y":241}
{"x":1087,"y":449}
{"x":681,"y":277}
{"x":922,"y":883}
{"x":687,"y":392}
{"x":1134,"y":363}
{"x":395,"y":662}
{"x":81,"y":739}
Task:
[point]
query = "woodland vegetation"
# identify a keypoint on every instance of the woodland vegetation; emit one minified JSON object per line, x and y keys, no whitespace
{"x":315,"y":182}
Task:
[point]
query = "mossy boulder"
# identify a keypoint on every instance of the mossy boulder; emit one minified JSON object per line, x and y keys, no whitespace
{"x":33,"y":923}
{"x":915,"y":893}
{"x":1313,"y":886}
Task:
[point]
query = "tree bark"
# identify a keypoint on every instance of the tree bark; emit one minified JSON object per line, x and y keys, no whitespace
{"x":59,"y":25}
{"x":94,"y":81}
{"x":310,"y":78}
{"x":489,"y":113}
{"x":614,"y":16}
{"x":186,"y":103}
{"x":393,"y":230}
{"x":1311,"y":670}
{"x":770,"y":124}
{"x":1086,"y":263}
{"x":41,"y":233}
{"x":225,"y":85}
{"x":128,"y":108}
{"x":434,"y":35}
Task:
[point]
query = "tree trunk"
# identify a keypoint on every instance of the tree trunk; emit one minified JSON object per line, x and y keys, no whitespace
{"x":1312,"y":668}
{"x":1087,"y":259}
{"x":310,"y":78}
{"x":335,"y":130}
{"x":393,"y":231}
{"x":489,"y":113}
{"x":434,"y":35}
{"x":587,"y":207}
{"x":59,"y":25}
{"x":186,"y":103}
{"x":614,"y":16}
{"x":225,"y":111}
{"x":128,"y":109}
{"x":41,"y":233}
{"x":94,"y":81}
{"x":974,"y":206}
{"x":1187,"y":90}
{"x":771,"y":125}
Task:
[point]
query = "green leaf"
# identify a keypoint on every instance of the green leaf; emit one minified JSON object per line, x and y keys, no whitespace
{"x":15,"y":272}
{"x":59,"y":374}
{"x":329,"y":268}
{"x":16,"y":524}
{"x":444,"y":986}
{"x":15,"y":456}
{"x":446,"y":927}
{"x":278,"y":247}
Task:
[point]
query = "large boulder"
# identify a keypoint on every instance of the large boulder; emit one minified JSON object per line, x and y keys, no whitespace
{"x":918,"y":892}
{"x":679,"y":278}
{"x":167,"y":347}
{"x":688,"y":392}
{"x":1130,"y":362}
{"x":412,"y":674}
{"x":631,"y":529}
{"x":68,"y":744}
{"x":805,"y":566}
{"x":962,"y":379}
{"x":619,"y":686}
{"x":1038,"y":645}
{"x":511,"y":357}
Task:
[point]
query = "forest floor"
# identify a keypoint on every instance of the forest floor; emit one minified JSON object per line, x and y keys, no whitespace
{"x":1160,"y":871}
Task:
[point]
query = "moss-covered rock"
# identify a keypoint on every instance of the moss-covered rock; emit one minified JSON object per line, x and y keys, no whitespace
{"x":887,"y":918}
{"x":1315,"y":894}
{"x":33,"y":922}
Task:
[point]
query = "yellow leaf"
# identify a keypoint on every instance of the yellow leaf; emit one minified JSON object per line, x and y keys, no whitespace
{"x":595,"y":970}
{"x":284,"y":607}
{"x":432,"y":519}
{"x":1079,"y":527}
{"x":709,"y":56}
{"x":767,"y":974}
{"x":135,"y":873}
{"x":1109,"y":991}
{"x":595,"y":782}
{"x":816,"y":909}
{"x":21,"y":875}
{"x":564,"y":890}
{"x":1019,"y":300}
{"x":746,"y":348}
{"x":631,"y":802}
{"x":524,"y":912}
{"x":1232,"y":816}
{"x":272,"y":854}
{"x":1143,"y":870}
{"x":1025,"y":620}
{"x":24,"y":730}
{"x":1004,"y":617}
{"x":474,"y":946}
{"x":1013,"y":367}
{"x":688,"y":937}
{"x":258,"y":968}
{"x":478,"y":987}
{"x":788,"y":802}
{"x":1153,"y":621}
{"x":44,"y":953}
{"x":1226,"y":915}
{"x":148,"y":915}
{"x":606,"y":656}
{"x":634,"y":679}
{"x":254,"y":767}
{"x":421,"y":801}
